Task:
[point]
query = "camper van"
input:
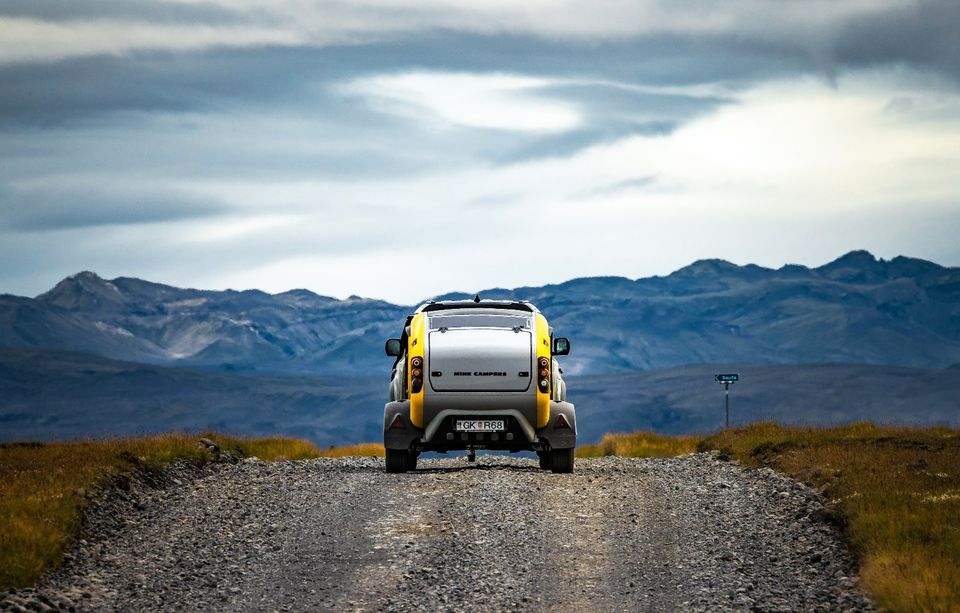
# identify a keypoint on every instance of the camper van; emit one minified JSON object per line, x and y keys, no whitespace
{"x":478,"y":374}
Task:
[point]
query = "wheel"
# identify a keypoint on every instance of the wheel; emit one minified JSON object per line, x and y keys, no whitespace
{"x":544,"y":459}
{"x":561,"y":460}
{"x":399,"y":461}
{"x":412,"y":462}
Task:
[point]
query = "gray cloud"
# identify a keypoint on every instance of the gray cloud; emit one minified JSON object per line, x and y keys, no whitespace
{"x":257,"y":94}
{"x":651,"y":40}
{"x":156,"y":132}
{"x":598,"y":131}
{"x":78,"y":88}
{"x":274,"y":113}
{"x":271,"y":77}
{"x":923,"y":34}
{"x":35,"y":210}
{"x":609,"y":113}
{"x":156,"y":12}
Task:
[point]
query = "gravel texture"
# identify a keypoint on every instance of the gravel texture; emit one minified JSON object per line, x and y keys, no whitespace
{"x":689,"y":533}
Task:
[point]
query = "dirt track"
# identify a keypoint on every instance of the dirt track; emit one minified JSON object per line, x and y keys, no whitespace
{"x":619,"y":534}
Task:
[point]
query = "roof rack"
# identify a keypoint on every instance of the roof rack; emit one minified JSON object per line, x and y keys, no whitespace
{"x":512,"y":305}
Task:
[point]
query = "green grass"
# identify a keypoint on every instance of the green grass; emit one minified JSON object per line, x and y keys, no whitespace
{"x":895,"y":493}
{"x":44,"y":486}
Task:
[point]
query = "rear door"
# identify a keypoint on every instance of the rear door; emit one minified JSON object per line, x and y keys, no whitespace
{"x":480,"y":359}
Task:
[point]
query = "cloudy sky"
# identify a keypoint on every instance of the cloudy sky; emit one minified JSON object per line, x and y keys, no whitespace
{"x":402,"y":149}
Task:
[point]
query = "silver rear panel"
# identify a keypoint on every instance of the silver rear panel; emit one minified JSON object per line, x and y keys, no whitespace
{"x":480,"y":359}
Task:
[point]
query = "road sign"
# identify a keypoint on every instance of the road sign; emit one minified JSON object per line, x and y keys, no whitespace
{"x":727,"y":380}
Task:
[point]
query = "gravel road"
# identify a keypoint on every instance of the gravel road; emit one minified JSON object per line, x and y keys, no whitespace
{"x":689,"y":533}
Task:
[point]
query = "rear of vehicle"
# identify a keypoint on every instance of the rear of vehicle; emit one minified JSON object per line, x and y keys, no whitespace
{"x":478,"y":375}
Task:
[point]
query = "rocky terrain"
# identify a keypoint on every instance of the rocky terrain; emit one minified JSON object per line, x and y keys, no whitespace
{"x":690,"y":533}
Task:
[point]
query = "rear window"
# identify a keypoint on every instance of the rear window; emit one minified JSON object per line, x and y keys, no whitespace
{"x":478,"y":321}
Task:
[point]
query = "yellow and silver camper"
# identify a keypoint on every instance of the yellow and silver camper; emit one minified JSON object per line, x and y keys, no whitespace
{"x":478,"y":374}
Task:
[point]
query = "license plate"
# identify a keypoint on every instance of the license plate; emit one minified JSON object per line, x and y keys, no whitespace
{"x":481,"y":425}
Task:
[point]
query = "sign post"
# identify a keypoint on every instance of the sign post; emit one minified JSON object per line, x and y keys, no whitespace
{"x":727,"y":380}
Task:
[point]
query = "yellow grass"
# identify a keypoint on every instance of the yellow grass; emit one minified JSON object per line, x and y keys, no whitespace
{"x":273,"y":449}
{"x":44,"y":487}
{"x":640,"y":445}
{"x":895,"y":491}
{"x":363,"y":449}
{"x":897,"y":494}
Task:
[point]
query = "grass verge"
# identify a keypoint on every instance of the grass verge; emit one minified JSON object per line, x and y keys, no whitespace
{"x":895,"y":493}
{"x":640,"y":445}
{"x":363,"y":449}
{"x":44,"y":486}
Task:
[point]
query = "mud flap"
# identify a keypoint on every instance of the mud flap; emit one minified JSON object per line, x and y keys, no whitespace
{"x":395,"y":436}
{"x":562,"y":437}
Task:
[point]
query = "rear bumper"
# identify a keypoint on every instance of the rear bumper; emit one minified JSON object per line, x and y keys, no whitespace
{"x":438,"y":435}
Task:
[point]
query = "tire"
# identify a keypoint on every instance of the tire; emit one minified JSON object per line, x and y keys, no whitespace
{"x":398,"y":461}
{"x":544,"y":460}
{"x":562,"y":460}
{"x":412,"y":462}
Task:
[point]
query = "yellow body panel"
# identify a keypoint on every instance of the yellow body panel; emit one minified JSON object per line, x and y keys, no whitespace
{"x":415,"y":344}
{"x":543,"y":350}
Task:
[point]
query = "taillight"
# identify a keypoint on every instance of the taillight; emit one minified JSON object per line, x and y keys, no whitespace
{"x":543,"y":374}
{"x":416,"y":374}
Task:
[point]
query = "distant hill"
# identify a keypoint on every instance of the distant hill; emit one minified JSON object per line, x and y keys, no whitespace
{"x":64,"y":395}
{"x":131,"y":319}
{"x":54,"y":394}
{"x":686,"y":399}
{"x":857,"y":308}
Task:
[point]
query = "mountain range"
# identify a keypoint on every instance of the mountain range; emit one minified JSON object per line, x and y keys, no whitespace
{"x":856,"y":339}
{"x":856,"y":309}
